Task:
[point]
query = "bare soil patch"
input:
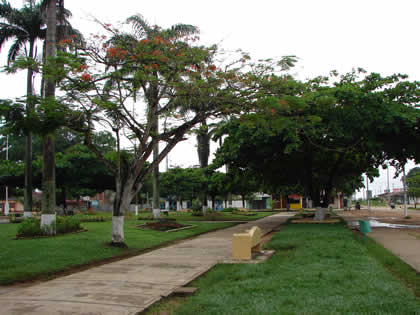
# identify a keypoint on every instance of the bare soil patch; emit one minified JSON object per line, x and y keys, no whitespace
{"x":163,"y":225}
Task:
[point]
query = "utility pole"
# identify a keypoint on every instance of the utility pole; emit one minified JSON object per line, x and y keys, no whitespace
{"x":367,"y":192}
{"x":405,"y":193}
{"x":6,"y":204}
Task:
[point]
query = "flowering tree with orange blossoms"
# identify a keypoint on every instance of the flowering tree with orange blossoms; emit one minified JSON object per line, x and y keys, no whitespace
{"x":126,"y":84}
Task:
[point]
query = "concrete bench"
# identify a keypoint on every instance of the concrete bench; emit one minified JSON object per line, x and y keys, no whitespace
{"x":243,"y":244}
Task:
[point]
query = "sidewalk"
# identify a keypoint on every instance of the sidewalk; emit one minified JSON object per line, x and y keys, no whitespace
{"x":130,"y":285}
{"x":402,"y":242}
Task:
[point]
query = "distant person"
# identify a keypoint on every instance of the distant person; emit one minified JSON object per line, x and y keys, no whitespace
{"x":392,"y":205}
{"x":357,"y":206}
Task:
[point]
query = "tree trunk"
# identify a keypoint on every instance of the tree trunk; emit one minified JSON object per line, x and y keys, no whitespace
{"x":117,"y":236}
{"x":48,"y":168}
{"x":155,"y":173}
{"x":243,"y":201}
{"x":64,"y":199}
{"x":316,"y":197}
{"x":229,"y":195}
{"x":48,"y":175}
{"x":203,"y":150}
{"x":203,"y":145}
{"x":123,"y":197}
{"x":330,"y":184}
{"x":27,"y":207}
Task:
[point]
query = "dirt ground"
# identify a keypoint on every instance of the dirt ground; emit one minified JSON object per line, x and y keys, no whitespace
{"x":384,"y":214}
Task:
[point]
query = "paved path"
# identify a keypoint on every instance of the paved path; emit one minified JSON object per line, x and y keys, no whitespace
{"x":130,"y":285}
{"x":402,"y":242}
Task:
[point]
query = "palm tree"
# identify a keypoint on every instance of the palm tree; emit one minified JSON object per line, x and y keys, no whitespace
{"x":48,"y":156}
{"x":24,"y":26}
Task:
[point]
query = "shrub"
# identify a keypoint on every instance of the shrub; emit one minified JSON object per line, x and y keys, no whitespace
{"x":229,"y":209}
{"x":67,"y":225}
{"x":150,"y":217}
{"x":30,"y":227}
{"x":15,"y":218}
{"x":87,"y":218}
{"x":196,"y":207}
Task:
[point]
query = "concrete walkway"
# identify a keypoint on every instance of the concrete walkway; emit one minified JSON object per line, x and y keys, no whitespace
{"x":130,"y":285}
{"x":402,"y":242}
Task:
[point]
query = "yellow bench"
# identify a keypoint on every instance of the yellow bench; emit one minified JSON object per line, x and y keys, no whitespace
{"x":243,"y":244}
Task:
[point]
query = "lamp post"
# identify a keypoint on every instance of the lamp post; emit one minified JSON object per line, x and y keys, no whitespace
{"x":6,"y":204}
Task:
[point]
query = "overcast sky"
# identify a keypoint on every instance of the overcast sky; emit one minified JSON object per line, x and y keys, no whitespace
{"x":377,"y":35}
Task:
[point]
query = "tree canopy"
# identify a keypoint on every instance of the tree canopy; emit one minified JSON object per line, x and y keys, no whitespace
{"x":321,"y":135}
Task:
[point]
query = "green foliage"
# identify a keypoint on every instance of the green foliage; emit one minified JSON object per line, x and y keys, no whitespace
{"x":31,"y":227}
{"x":315,"y":136}
{"x":182,"y":183}
{"x":229,"y":209}
{"x":78,"y":171}
{"x":413,"y":182}
{"x":90,"y":218}
{"x":197,"y":207}
{"x":67,"y":224}
{"x":15,"y":219}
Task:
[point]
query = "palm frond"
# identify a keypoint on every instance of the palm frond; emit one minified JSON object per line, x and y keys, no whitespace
{"x":8,"y":32}
{"x":122,"y":40}
{"x":15,"y":50}
{"x":140,"y":25}
{"x":183,"y":30}
{"x":5,"y":9}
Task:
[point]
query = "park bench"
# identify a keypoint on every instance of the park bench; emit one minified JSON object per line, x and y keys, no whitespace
{"x":244,"y":244}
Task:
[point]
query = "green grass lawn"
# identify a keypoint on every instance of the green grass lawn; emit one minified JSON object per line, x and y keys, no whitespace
{"x":317,"y":269}
{"x":219,"y":216}
{"x":29,"y":258}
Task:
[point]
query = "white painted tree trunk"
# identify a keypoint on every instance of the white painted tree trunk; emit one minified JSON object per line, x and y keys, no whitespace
{"x":320,"y":214}
{"x":27,"y":214}
{"x":48,"y":223}
{"x":156,"y":213}
{"x":167,"y":205}
{"x":178,"y":206}
{"x":117,"y":229}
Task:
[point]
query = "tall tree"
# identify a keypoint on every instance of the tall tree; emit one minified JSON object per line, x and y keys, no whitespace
{"x":161,"y":70}
{"x":318,"y":137}
{"x":413,"y":183}
{"x":48,"y":161}
{"x":25,"y":27}
{"x":143,"y":30}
